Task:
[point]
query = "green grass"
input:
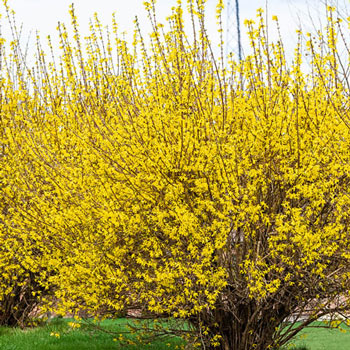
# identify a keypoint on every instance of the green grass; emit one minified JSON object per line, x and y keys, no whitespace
{"x":88,"y":338}
{"x":83,"y":338}
{"x":322,"y":339}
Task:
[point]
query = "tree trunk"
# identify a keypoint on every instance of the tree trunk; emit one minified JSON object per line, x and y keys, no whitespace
{"x":248,"y":327}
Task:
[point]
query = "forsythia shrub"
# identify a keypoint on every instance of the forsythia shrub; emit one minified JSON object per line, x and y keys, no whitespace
{"x":156,"y":178}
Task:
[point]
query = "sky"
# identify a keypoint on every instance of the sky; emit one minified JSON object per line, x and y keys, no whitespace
{"x":43,"y":15}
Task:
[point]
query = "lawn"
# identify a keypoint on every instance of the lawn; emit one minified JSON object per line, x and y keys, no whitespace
{"x":59,"y":335}
{"x":323,"y":339}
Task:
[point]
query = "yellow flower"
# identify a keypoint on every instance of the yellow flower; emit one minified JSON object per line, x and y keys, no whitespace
{"x":74,"y":325}
{"x":53,"y":334}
